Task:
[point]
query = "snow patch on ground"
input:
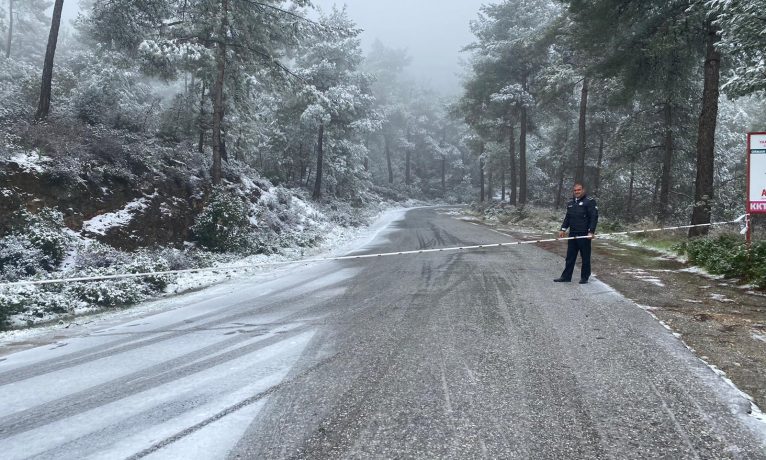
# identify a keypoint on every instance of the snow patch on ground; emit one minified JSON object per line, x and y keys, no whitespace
{"x":29,"y":161}
{"x":702,"y":272}
{"x":755,"y":411}
{"x":643,"y":275}
{"x":720,"y":298}
{"x":101,"y":224}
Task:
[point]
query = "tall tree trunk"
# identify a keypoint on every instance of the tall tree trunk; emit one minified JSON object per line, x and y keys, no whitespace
{"x":599,"y":161}
{"x":560,"y":190}
{"x":407,"y":160}
{"x":629,"y":209}
{"x":367,"y":155}
{"x":320,"y":160}
{"x":10,"y":30}
{"x":301,"y":163}
{"x":512,"y":155}
{"x":218,"y":93}
{"x":189,"y":106}
{"x":44,"y":106}
{"x":407,"y":179}
{"x":201,"y":144}
{"x":581,"y":140}
{"x":444,"y":176}
{"x":502,"y":178}
{"x":655,"y":192}
{"x":523,"y":157}
{"x":388,"y":159}
{"x":481,"y":180}
{"x":490,"y":191}
{"x":481,"y":171}
{"x":703,"y":185}
{"x":667,"y":164}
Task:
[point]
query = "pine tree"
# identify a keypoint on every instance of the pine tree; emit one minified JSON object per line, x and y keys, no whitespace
{"x":43,"y":107}
{"x":219,"y":42}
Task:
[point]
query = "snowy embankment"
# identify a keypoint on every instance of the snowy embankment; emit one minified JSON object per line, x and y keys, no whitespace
{"x":337,"y":240}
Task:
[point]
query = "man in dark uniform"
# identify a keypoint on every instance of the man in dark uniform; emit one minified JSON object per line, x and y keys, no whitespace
{"x":581,"y":220}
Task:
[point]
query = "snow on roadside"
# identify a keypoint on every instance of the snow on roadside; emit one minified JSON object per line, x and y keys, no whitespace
{"x":643,"y":275}
{"x":720,"y":298}
{"x":337,"y":241}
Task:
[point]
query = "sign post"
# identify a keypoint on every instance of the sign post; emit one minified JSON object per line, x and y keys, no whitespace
{"x":756,"y":177}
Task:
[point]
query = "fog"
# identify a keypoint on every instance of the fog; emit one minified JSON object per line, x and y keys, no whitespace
{"x":433,"y":32}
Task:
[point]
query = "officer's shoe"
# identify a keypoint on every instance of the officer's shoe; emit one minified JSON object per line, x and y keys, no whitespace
{"x":561,"y":280}
{"x":583,"y":281}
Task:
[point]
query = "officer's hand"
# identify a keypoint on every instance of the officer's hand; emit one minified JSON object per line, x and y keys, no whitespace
{"x":590,"y":236}
{"x":562,"y":234}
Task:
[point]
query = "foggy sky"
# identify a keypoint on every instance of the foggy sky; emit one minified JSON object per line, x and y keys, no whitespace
{"x":433,"y":32}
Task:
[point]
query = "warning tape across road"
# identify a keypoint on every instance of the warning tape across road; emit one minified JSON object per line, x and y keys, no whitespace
{"x":232,"y":268}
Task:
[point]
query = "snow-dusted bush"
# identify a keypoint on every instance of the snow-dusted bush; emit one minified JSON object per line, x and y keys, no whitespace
{"x":20,"y":259}
{"x":282,"y":219}
{"x":274,"y":210}
{"x":146,"y":262}
{"x":342,"y":213}
{"x":98,"y":255}
{"x":223,"y":224}
{"x":39,"y":246}
{"x":34,"y":303}
{"x":108,"y":293}
{"x":17,"y":79}
{"x":45,"y":231}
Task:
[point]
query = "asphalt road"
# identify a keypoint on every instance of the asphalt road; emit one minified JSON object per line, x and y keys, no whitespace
{"x":441,"y":355}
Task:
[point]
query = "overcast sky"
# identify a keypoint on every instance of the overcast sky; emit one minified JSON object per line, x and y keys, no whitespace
{"x":433,"y":31}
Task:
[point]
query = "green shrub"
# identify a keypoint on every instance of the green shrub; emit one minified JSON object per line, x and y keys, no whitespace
{"x":37,"y":301}
{"x":39,"y":246}
{"x":143,"y":262}
{"x":729,"y":256}
{"x":45,"y":231}
{"x":108,"y":293}
{"x":223,"y":224}
{"x":20,"y":259}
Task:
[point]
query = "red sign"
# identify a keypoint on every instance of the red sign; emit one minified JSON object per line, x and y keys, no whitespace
{"x":756,"y":173}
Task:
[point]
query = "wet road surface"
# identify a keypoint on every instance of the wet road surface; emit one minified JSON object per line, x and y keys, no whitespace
{"x":442,"y":355}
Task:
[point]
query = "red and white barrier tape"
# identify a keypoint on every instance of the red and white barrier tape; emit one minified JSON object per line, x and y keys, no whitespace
{"x":363,"y":256}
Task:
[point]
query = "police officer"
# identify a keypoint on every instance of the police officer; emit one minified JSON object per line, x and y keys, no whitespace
{"x":581,"y":220}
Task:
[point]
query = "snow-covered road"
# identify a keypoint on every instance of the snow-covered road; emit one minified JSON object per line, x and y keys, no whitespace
{"x":458,"y":355}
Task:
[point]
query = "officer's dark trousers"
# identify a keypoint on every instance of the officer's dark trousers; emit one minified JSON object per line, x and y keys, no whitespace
{"x":581,"y":245}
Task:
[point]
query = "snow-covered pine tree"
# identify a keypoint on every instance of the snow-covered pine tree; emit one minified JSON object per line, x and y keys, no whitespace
{"x":338,"y":104}
{"x":220,"y":43}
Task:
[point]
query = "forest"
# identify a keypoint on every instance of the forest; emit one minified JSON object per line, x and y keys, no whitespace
{"x":246,"y":126}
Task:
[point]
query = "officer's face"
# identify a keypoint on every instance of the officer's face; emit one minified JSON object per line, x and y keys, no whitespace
{"x":578,"y":191}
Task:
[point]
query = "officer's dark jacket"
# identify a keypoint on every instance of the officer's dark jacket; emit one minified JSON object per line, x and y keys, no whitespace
{"x":582,"y":215}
